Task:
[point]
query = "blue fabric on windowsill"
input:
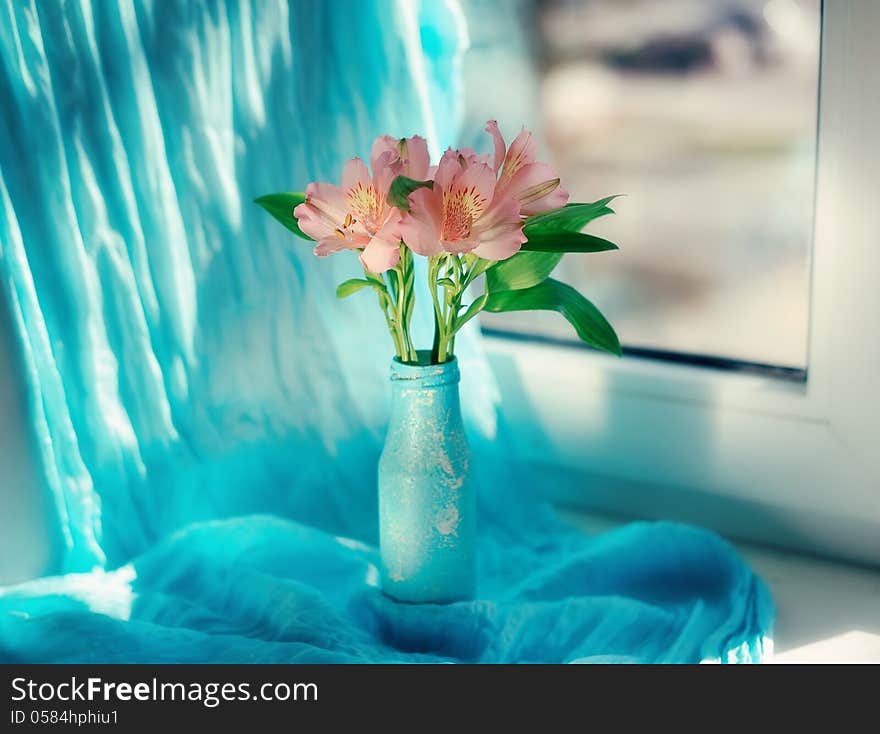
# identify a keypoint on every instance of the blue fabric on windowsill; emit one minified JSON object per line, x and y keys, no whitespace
{"x":209,"y":417}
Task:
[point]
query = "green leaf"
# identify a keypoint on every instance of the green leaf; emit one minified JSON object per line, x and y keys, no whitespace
{"x":401,"y":188}
{"x":353,"y":285}
{"x":566,"y":242}
{"x":479,"y":267}
{"x":551,"y":295}
{"x":472,"y":311}
{"x":281,"y":207}
{"x":375,"y":279}
{"x":560,"y":230}
{"x":523,"y":270}
{"x":570,"y":218}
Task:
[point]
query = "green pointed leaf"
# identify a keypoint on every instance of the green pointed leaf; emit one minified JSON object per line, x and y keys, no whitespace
{"x":472,"y":311}
{"x":375,"y":279}
{"x":353,"y":285}
{"x":551,"y":295}
{"x":401,"y":188}
{"x":570,"y":218}
{"x":479,"y":267}
{"x":523,"y":270}
{"x":281,"y":207}
{"x":566,"y":242}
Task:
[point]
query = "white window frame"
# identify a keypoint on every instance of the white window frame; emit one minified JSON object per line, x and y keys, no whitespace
{"x":753,"y":456}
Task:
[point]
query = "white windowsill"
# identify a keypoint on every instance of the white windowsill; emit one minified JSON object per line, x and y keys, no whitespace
{"x":827,"y":612}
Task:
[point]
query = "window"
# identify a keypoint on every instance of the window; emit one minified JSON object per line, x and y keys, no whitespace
{"x":788,"y":462}
{"x":703,"y":112}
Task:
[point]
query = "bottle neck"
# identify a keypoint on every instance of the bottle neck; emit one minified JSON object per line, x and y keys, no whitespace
{"x":424,"y":376}
{"x":423,"y":393}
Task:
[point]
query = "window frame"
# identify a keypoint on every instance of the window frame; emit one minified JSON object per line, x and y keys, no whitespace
{"x":772,"y":460}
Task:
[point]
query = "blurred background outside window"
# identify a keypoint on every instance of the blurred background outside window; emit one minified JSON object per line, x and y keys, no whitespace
{"x":703,"y":112}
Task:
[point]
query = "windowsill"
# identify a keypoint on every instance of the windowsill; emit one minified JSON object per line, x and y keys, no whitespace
{"x":827,"y":612}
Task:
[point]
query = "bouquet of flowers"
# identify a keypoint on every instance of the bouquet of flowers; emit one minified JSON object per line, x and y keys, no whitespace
{"x":503,"y":215}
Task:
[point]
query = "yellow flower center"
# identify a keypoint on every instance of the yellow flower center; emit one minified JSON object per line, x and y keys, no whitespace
{"x":365,"y":206}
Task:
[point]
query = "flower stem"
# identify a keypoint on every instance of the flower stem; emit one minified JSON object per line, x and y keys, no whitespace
{"x":405,"y":301}
{"x":396,"y":298}
{"x":451,"y":274}
{"x":395,"y":333}
{"x":386,"y":303}
{"x":433,"y":271}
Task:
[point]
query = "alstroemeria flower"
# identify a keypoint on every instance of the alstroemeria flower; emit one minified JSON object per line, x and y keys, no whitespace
{"x":462,"y":212}
{"x":357,"y":215}
{"x":535,"y":185}
{"x":406,"y":156}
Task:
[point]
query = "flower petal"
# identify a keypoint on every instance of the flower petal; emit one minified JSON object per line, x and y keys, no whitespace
{"x":329,"y":245}
{"x":417,"y":161}
{"x":380,"y":255}
{"x":312,"y":223}
{"x":502,"y":245}
{"x":420,"y":228}
{"x":328,"y":199}
{"x":322,"y":212}
{"x":480,"y":178}
{"x":500,"y":232}
{"x":500,"y":146}
{"x":382,"y":144}
{"x":521,"y":153}
{"x":460,"y":247}
{"x":406,"y":157}
{"x":385,"y":169}
{"x":537,"y":188}
{"x":390,"y":229}
{"x":355,"y":172}
{"x":556,"y":199}
{"x":448,"y":170}
{"x":427,"y":204}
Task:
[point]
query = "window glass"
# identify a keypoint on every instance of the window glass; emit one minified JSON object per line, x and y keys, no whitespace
{"x":703,"y":112}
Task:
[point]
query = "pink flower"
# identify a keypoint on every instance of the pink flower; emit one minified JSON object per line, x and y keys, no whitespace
{"x":357,"y":215}
{"x":406,"y":156}
{"x":535,"y":185}
{"x":463,"y":212}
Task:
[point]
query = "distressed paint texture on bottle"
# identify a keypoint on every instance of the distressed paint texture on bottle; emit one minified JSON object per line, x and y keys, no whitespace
{"x":427,"y":498}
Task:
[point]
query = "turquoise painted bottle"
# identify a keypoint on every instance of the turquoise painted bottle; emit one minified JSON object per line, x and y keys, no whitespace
{"x":427,"y":497}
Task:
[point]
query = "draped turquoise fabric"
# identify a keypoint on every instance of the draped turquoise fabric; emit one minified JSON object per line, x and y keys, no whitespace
{"x":209,"y":417}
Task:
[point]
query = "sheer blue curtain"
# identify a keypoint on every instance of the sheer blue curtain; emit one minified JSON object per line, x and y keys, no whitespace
{"x":208,"y":415}
{"x":188,"y":357}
